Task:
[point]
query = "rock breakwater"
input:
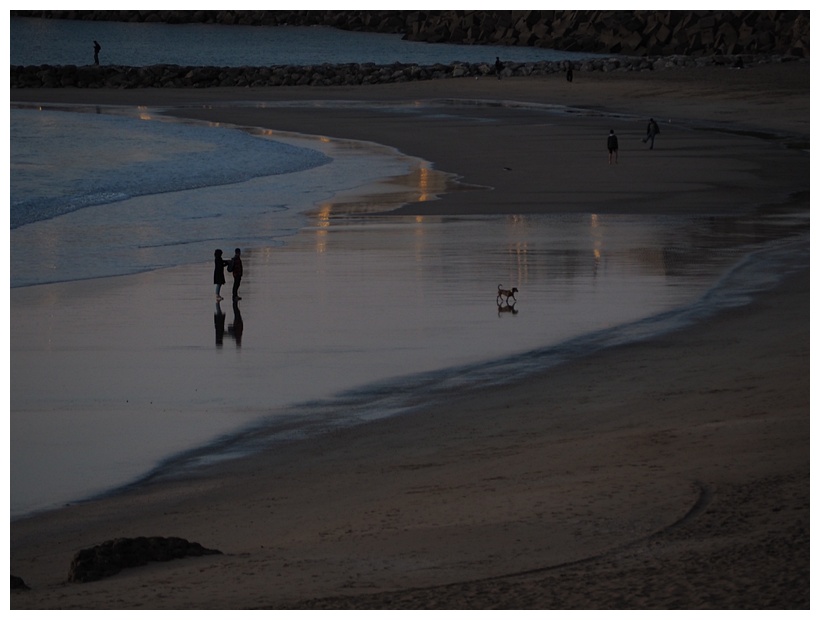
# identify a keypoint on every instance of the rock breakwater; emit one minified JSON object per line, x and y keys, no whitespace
{"x":176,"y":76}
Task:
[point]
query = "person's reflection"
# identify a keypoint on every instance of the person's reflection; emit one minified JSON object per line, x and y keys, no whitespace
{"x":235,"y":328}
{"x":219,"y":324}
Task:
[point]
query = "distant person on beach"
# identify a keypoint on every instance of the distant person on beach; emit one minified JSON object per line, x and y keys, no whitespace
{"x":612,"y":145}
{"x":652,"y":130}
{"x":499,"y":67}
{"x":569,"y":72}
{"x":236,"y":270}
{"x":219,"y":272}
{"x":97,"y":49}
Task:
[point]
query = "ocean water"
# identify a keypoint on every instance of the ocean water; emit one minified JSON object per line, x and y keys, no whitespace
{"x":105,"y":192}
{"x":64,"y":161}
{"x":70,"y":42}
{"x":348,"y":315}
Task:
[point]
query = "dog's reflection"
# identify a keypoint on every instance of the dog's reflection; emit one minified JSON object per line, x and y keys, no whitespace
{"x":508,"y":308}
{"x":234,"y":330}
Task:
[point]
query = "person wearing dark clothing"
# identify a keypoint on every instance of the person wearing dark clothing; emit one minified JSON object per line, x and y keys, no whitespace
{"x":237,"y":274}
{"x":652,"y":130}
{"x":612,"y":145}
{"x":499,"y":67}
{"x":97,"y":49}
{"x":219,"y":272}
{"x":569,"y":72}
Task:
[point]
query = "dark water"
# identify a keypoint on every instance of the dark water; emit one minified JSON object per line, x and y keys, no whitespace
{"x":70,"y":42}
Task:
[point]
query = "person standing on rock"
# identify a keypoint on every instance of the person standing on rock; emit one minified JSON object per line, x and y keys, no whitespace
{"x":97,"y":48}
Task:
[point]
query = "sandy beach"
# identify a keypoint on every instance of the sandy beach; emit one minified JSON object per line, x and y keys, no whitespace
{"x":668,"y":474}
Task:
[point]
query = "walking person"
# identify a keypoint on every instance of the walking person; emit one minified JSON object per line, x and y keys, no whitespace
{"x":652,"y":130}
{"x":219,"y":272}
{"x":612,"y":145}
{"x":499,"y":67}
{"x":97,"y":48}
{"x":236,"y":270}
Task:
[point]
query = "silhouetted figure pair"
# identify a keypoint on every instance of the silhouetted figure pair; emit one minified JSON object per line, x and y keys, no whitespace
{"x":234,"y":266}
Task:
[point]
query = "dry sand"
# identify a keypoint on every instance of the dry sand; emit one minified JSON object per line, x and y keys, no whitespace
{"x":666,"y":474}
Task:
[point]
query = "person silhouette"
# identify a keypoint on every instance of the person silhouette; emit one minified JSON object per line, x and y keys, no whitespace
{"x":652,"y":130}
{"x":219,"y":272}
{"x":97,"y":48}
{"x":612,"y":145}
{"x":499,"y":67}
{"x":237,"y":273}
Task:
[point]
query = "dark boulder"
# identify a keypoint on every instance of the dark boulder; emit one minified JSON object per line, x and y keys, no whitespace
{"x":18,"y":584}
{"x":112,"y":556}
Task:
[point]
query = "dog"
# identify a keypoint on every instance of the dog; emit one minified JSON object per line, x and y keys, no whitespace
{"x":505,"y":294}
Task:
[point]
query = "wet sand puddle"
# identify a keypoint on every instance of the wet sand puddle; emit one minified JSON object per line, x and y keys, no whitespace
{"x":353,"y":319}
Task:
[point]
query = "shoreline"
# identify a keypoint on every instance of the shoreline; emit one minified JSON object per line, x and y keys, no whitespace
{"x":387,"y":514}
{"x":631,"y":496}
{"x":357,"y":178}
{"x":313,"y":416}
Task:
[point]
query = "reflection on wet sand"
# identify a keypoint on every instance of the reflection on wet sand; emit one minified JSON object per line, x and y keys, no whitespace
{"x":375,"y":304}
{"x":219,"y":324}
{"x":235,"y":329}
{"x":507,"y":308}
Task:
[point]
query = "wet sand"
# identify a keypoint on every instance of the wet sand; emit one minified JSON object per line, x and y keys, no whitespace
{"x":667,"y":474}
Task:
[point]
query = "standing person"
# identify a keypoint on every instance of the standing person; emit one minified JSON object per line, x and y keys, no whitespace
{"x":219,"y":272}
{"x":499,"y":67}
{"x":612,"y":145}
{"x":97,"y":49}
{"x":237,"y":274}
{"x":569,"y":72}
{"x":652,"y":130}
